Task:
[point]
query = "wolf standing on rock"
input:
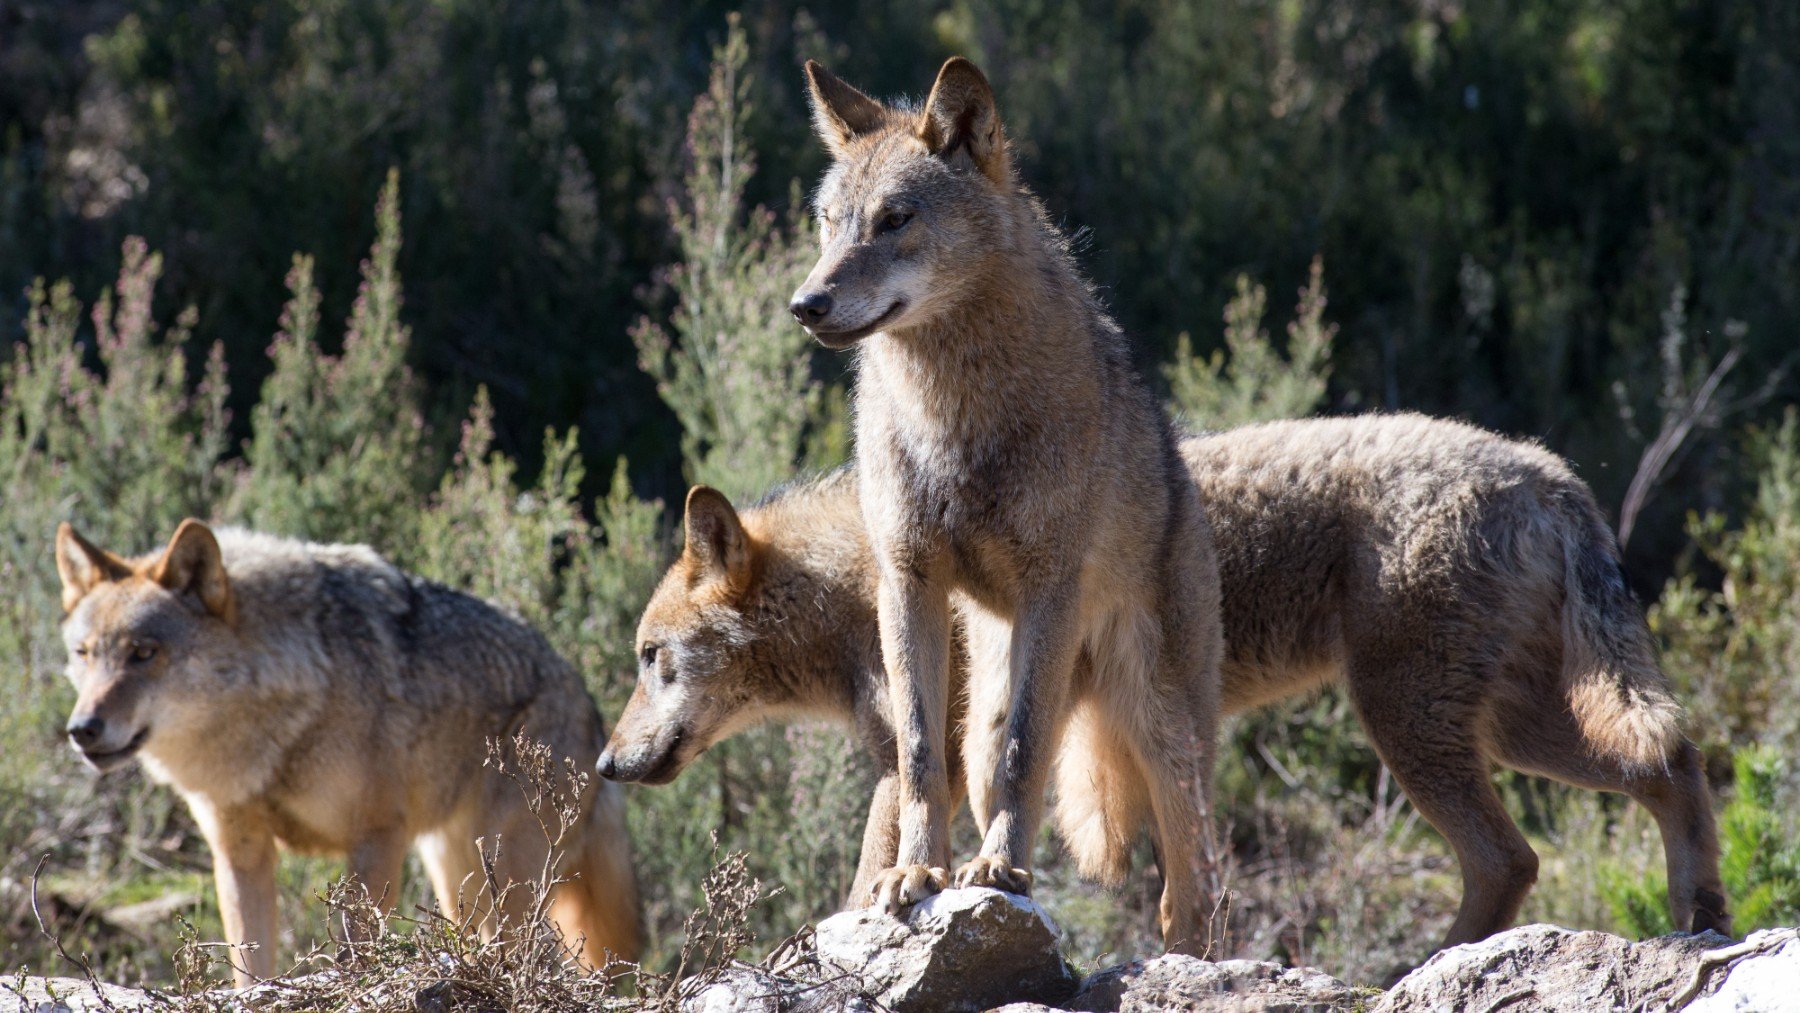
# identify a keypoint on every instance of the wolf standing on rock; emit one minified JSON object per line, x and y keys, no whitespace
{"x":1461,"y":586}
{"x":316,"y":696}
{"x":1013,"y":464}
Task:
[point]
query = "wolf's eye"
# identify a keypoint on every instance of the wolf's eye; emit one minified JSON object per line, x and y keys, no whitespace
{"x":81,"y":652}
{"x":647,"y":655}
{"x":143,"y":652}
{"x":896,"y":220}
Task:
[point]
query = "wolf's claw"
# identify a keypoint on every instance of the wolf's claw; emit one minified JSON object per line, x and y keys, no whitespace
{"x":898,"y":889}
{"x":996,"y":873}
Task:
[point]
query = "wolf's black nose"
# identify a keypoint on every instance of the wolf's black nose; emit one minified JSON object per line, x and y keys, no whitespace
{"x":811,"y":307}
{"x":606,"y":767}
{"x":86,"y":731}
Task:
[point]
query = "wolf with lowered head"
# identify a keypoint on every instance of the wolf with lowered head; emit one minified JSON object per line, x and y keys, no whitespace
{"x":317,"y":697}
{"x":1461,"y":587}
{"x":1014,"y":467}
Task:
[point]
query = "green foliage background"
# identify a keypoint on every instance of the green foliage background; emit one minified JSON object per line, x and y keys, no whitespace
{"x":1538,"y":216}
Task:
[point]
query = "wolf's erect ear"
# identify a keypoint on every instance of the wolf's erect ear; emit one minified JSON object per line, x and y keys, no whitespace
{"x":961,"y":121}
{"x":715,"y":536}
{"x":192,"y":563}
{"x":83,"y":566}
{"x":840,"y":112}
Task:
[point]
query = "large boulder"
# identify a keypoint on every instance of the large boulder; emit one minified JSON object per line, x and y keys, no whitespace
{"x":1546,"y":969}
{"x":962,"y":950}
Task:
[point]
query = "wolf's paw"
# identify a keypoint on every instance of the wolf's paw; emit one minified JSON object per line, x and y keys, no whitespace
{"x":992,"y":872}
{"x":1710,"y":913}
{"x":898,"y":889}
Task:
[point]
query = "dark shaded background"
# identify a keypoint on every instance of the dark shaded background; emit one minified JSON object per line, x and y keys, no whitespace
{"x":1507,"y":195}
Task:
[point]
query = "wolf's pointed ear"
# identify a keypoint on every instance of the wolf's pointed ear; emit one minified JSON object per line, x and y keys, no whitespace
{"x":83,"y":566}
{"x":715,"y":536}
{"x":961,"y":120}
{"x":840,"y":112}
{"x":192,"y":563}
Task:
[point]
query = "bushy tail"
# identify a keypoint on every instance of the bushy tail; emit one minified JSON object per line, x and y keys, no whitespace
{"x":1621,"y":699}
{"x":599,"y":903}
{"x":1101,"y":798}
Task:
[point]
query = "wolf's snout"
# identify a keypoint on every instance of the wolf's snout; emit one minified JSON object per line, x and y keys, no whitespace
{"x":607,"y":767}
{"x":86,"y":732}
{"x":811,"y":308}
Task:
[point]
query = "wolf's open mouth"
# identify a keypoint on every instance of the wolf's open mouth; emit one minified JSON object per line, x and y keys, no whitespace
{"x":844,"y":339}
{"x":108,"y":760}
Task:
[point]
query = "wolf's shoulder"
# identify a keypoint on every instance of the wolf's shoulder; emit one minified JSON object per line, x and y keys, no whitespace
{"x":269,"y":568}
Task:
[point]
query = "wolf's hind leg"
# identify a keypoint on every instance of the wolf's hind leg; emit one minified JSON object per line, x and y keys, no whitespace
{"x":1542,"y":738}
{"x":1176,"y":776}
{"x":596,"y":907}
{"x":1427,"y":735}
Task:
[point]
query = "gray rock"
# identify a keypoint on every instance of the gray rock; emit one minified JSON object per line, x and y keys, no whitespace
{"x":753,"y":990}
{"x":962,"y":950}
{"x":1177,"y":982}
{"x":27,"y":994}
{"x":1545,"y":969}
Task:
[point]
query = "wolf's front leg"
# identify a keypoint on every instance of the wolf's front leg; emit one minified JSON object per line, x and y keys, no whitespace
{"x":374,"y":866}
{"x":915,"y":644}
{"x":881,"y":840}
{"x":243,"y":852}
{"x":1018,"y":705}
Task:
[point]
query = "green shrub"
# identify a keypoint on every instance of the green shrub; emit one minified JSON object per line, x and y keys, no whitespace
{"x":1733,"y":651}
{"x":1248,"y":380}
{"x":1759,"y":841}
{"x":735,"y":371}
{"x":338,"y":444}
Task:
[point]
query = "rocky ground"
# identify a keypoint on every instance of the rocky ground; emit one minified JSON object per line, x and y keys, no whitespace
{"x":976,"y":950}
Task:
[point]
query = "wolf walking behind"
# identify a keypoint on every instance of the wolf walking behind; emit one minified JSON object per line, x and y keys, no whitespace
{"x":316,"y":696}
{"x":1462,"y":587}
{"x":1016,"y":468}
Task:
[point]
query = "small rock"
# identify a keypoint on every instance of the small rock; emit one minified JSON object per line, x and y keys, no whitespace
{"x":753,"y":990}
{"x":1178,"y":982}
{"x":962,"y":950}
